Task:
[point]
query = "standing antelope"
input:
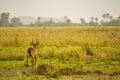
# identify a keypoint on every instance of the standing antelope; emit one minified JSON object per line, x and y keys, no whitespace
{"x":32,"y":52}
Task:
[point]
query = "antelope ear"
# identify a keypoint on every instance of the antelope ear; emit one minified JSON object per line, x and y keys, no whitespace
{"x":32,"y":42}
{"x":37,"y":41}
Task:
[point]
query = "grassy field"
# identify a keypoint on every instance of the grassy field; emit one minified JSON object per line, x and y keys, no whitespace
{"x":64,"y":53}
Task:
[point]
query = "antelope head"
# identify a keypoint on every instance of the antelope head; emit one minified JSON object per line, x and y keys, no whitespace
{"x":35,"y":44}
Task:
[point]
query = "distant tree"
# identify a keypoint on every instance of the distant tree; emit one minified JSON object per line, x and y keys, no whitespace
{"x":83,"y":22}
{"x":106,"y":19}
{"x":111,"y":18}
{"x":114,"y":22}
{"x":96,"y":19}
{"x":4,"y":20}
{"x":50,"y":22}
{"x":31,"y":24}
{"x":67,"y":20}
{"x":15,"y":21}
{"x":38,"y":21}
{"x":92,"y":21}
{"x":107,"y":15}
{"x":65,"y":17}
{"x":104,"y":16}
{"x":4,"y":16}
{"x":118,"y":18}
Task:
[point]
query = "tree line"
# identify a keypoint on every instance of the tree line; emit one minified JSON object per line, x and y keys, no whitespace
{"x":107,"y":20}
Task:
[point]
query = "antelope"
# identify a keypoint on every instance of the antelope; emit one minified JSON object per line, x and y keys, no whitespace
{"x":32,"y":52}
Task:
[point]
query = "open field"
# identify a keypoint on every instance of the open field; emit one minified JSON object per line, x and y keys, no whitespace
{"x":64,"y":53}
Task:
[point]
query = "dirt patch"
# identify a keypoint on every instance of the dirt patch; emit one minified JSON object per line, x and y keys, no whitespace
{"x":45,"y":69}
{"x":115,"y":73}
{"x":12,"y":72}
{"x":48,"y":69}
{"x":52,"y":71}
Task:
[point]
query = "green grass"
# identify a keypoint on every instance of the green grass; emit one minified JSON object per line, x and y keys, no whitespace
{"x":87,"y":51}
{"x":17,"y":71}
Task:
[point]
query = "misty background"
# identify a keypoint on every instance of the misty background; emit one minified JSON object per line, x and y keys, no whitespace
{"x":85,"y":12}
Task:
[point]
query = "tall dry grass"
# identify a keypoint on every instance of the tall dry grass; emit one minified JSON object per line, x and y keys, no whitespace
{"x":73,"y":43}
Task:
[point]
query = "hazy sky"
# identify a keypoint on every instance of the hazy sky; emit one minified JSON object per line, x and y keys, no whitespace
{"x":74,"y":9}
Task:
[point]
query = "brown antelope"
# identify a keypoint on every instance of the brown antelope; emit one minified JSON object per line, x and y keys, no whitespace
{"x":32,"y":52}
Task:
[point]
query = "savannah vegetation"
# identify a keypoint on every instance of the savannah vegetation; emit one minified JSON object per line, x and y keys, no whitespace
{"x":107,"y":20}
{"x":64,"y":53}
